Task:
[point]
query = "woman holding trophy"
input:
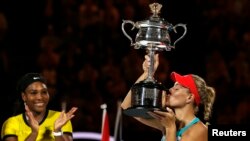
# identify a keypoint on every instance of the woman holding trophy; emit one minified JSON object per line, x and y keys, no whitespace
{"x":178,"y":119}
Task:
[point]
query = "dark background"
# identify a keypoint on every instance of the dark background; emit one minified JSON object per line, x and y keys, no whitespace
{"x":79,"y":46}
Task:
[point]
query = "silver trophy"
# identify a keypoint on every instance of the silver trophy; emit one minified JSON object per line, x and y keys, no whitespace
{"x":153,"y":36}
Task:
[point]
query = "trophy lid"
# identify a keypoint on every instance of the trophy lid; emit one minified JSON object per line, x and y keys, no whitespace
{"x":155,"y":20}
{"x":155,"y":9}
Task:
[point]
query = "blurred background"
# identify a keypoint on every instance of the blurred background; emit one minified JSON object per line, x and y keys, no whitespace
{"x":80,"y":48}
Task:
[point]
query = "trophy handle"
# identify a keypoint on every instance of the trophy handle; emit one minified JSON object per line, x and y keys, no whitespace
{"x":125,"y":33}
{"x":184,"y":33}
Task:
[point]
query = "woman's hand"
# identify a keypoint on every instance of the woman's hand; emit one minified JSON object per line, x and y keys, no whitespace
{"x":64,"y":118}
{"x":146,"y":64}
{"x":31,"y":120}
{"x":167,"y":119}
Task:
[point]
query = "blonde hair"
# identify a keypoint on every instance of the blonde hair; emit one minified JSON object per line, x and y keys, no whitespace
{"x":207,"y":96}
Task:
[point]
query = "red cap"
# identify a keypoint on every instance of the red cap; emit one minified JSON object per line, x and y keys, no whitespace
{"x":187,"y":81}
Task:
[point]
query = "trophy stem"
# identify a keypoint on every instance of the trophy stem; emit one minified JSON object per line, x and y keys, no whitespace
{"x":151,"y":53}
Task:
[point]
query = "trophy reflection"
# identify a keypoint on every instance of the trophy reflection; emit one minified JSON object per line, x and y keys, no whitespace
{"x":153,"y":36}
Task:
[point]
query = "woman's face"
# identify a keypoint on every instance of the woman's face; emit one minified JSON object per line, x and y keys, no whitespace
{"x":178,"y":96}
{"x":36,"y":97}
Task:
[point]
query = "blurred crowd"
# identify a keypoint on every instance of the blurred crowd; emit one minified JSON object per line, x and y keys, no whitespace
{"x":79,"y":47}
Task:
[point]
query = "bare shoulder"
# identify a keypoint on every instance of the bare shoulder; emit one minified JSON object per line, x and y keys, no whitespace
{"x":198,"y":132}
{"x":201,"y":127}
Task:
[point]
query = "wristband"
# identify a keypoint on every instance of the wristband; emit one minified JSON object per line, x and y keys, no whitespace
{"x":56,"y":134}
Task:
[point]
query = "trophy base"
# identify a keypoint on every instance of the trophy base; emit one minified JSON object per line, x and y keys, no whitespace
{"x":140,"y":111}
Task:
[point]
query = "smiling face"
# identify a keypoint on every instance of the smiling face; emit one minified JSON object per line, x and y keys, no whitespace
{"x":36,"y":97}
{"x":179,"y":96}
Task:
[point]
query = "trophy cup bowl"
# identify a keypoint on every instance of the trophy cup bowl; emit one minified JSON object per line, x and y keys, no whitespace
{"x":154,"y":31}
{"x":153,"y":36}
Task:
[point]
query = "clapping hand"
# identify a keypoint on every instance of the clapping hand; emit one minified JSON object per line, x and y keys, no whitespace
{"x":34,"y":124}
{"x":64,"y":118}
